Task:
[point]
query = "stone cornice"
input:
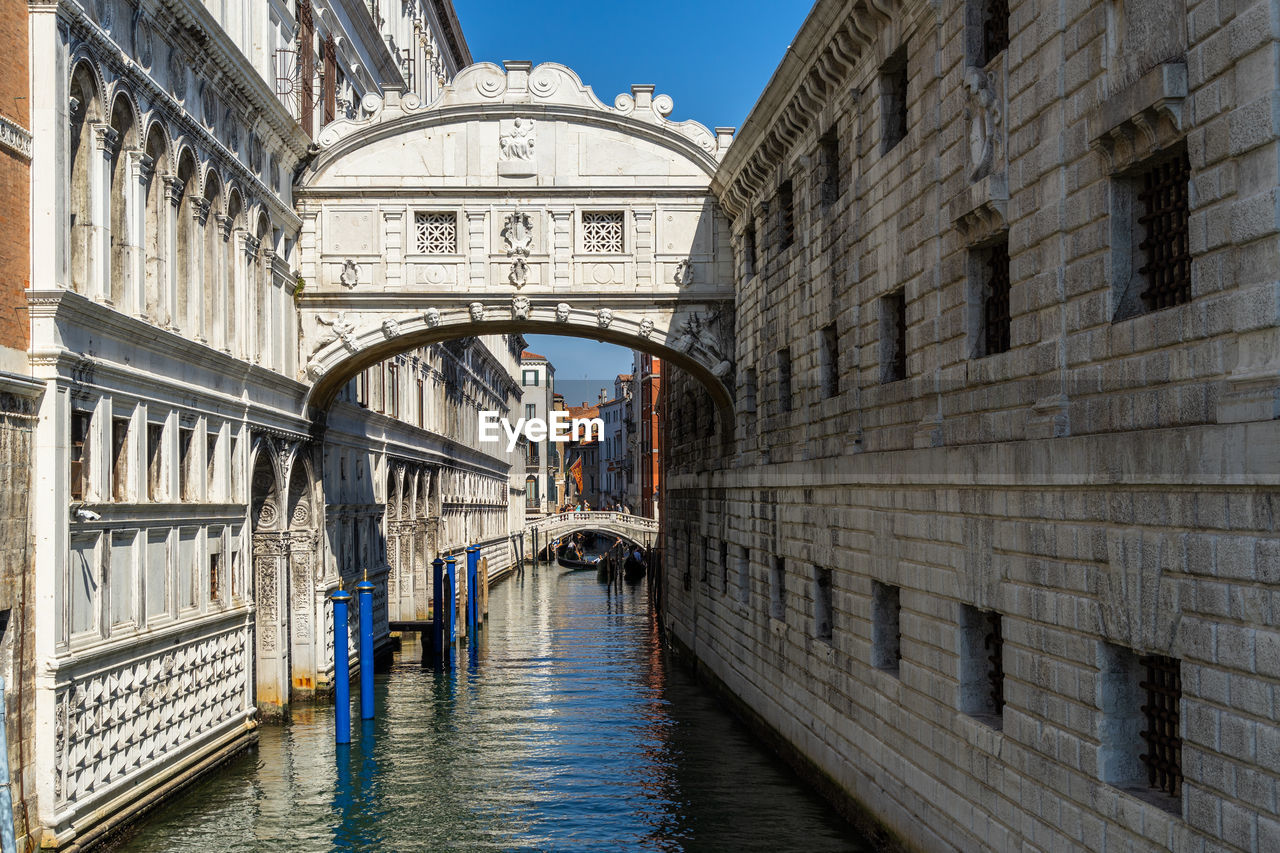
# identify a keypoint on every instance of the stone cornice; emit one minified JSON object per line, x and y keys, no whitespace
{"x":108,"y":51}
{"x":15,"y":138}
{"x":547,"y":91}
{"x":820,"y":59}
{"x":452,"y":31}
{"x":387,"y":66}
{"x":78,"y":310}
{"x":228,"y":58}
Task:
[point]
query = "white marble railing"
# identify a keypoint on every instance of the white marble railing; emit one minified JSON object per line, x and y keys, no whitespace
{"x":575,"y":519}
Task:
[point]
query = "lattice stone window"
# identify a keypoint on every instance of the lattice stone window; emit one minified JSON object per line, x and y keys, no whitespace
{"x":436,"y":233}
{"x":602,"y":232}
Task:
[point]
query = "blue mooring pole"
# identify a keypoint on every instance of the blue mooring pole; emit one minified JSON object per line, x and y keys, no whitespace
{"x":451,"y":598}
{"x":437,"y":610}
{"x":365,"y":589}
{"x":341,"y":668}
{"x":473,"y":591}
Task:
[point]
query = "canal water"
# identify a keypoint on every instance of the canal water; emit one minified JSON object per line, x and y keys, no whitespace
{"x":568,"y":729}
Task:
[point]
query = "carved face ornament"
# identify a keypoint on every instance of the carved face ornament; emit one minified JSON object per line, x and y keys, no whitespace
{"x":520,"y":308}
{"x":477,"y":311}
{"x":432,"y":316}
{"x":562,"y":312}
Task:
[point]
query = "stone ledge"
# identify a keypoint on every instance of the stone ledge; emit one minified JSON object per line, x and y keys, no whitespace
{"x":1141,"y":118}
{"x":979,"y":211}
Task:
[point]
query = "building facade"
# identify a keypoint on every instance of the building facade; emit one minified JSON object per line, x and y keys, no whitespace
{"x":646,"y":381}
{"x":197,"y":513}
{"x":989,"y":544}
{"x":537,"y":384}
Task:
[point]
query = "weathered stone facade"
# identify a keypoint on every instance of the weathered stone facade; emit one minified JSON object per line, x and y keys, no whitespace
{"x":1082,"y":479}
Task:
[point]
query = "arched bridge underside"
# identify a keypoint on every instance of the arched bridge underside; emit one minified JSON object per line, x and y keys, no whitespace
{"x":634,"y":528}
{"x":516,"y":202}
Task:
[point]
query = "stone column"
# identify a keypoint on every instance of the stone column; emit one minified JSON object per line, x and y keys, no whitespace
{"x":244,"y":335}
{"x":305,"y":645}
{"x":143,"y":171}
{"x":107,"y":141}
{"x":223,"y":320}
{"x":171,"y":280}
{"x":194,"y":322}
{"x":270,"y":560}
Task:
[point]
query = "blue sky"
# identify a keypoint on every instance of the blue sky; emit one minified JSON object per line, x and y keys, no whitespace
{"x":711,"y":56}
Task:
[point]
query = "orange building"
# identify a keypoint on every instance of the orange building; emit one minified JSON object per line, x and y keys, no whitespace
{"x":647,"y":379}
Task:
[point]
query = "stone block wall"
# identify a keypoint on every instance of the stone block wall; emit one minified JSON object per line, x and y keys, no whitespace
{"x":1106,"y":486}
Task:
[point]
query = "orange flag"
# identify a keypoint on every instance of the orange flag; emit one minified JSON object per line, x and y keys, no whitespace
{"x":576,"y":470}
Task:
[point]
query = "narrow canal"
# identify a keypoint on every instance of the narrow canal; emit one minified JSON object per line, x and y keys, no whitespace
{"x":569,"y":729}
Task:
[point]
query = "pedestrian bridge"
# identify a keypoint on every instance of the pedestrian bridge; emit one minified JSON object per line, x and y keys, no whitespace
{"x":516,"y":202}
{"x":634,"y":528}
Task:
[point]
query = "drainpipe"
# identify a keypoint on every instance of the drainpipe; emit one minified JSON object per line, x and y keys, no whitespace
{"x":7,"y":842}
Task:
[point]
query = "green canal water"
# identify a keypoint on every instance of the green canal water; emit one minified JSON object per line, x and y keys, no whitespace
{"x":567,"y":729}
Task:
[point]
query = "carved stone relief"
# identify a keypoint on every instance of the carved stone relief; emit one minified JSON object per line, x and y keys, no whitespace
{"x":983,"y":115}
{"x":390,"y":328}
{"x":604,"y":317}
{"x":476,"y":310}
{"x":432,"y":317}
{"x":562,"y":312}
{"x":350,"y":273}
{"x":520,"y":308}
{"x":343,"y":330}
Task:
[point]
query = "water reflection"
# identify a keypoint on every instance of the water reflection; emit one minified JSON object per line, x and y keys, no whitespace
{"x":567,"y":730}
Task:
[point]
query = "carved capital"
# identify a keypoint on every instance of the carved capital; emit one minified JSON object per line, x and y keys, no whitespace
{"x":106,"y":138}
{"x":173,"y":188}
{"x":199,"y":210}
{"x":144,"y":166}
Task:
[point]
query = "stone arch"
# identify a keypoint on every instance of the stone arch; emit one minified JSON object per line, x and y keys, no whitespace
{"x":213,"y":325}
{"x":155,"y":226}
{"x":189,"y":213}
{"x":85,"y":108}
{"x":268,"y":554}
{"x":124,"y":145}
{"x":304,"y":571}
{"x":233,"y":266}
{"x":345,"y":350}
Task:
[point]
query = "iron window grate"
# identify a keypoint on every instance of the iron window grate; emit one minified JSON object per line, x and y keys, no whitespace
{"x":1163,"y":758}
{"x":1165,"y":244}
{"x":994,"y":643}
{"x":996,"y":301}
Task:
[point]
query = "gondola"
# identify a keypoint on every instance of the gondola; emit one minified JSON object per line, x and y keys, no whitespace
{"x":577,"y":565}
{"x":632,"y":570}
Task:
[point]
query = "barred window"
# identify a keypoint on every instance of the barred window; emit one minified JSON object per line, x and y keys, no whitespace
{"x":602,"y":232}
{"x":436,"y":233}
{"x":1165,"y":244}
{"x":1141,"y":745}
{"x":1151,"y":254}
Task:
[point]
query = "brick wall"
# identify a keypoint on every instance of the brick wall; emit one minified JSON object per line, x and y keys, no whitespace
{"x":15,"y":181}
